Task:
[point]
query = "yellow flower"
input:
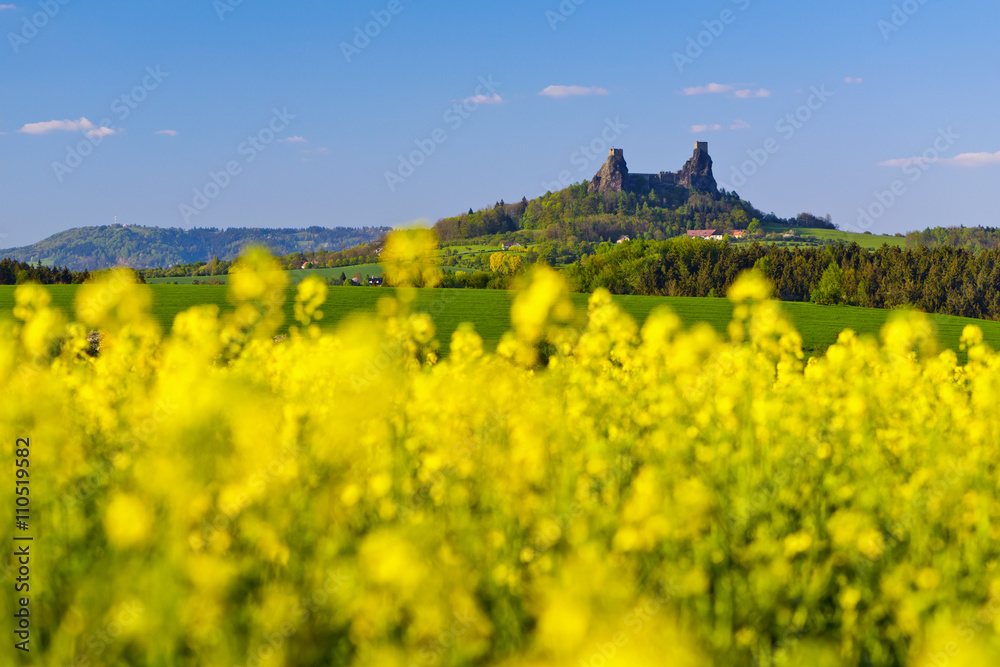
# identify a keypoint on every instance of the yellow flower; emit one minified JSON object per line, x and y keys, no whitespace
{"x":127,"y":521}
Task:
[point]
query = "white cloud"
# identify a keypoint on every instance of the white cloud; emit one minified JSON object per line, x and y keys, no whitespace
{"x":710,"y":89}
{"x":58,"y":126}
{"x":904,"y":162}
{"x":974,"y":160}
{"x":484,"y":99}
{"x":82,"y":125}
{"x":964,"y":160}
{"x":293,"y":140}
{"x":851,"y":79}
{"x":313,"y":151}
{"x":169,"y":133}
{"x":723,"y":88}
{"x":101,"y":132}
{"x":748,"y":93}
{"x":572,"y":91}
{"x":715,"y":127}
{"x":3,"y":7}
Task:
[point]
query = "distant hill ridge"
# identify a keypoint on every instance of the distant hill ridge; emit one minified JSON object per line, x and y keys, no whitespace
{"x":94,"y":248}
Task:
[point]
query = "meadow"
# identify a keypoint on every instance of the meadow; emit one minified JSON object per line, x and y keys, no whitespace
{"x":866,"y":241}
{"x":489,"y":311}
{"x":294,"y":277}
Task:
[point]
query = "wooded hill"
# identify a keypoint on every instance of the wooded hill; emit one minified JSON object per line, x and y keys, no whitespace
{"x":92,"y":248}
{"x":574,"y":215}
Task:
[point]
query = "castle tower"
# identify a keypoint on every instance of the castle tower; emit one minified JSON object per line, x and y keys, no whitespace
{"x":701,"y":146}
{"x":616,"y":152}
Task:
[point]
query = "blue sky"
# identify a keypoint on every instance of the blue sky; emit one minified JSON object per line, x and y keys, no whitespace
{"x":229,"y":114}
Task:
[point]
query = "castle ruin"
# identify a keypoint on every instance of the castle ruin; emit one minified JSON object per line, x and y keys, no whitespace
{"x":696,"y":173}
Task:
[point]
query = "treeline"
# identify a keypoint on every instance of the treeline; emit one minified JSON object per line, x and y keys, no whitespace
{"x":951,"y":281}
{"x":971,"y":238}
{"x":575,"y":215}
{"x":13,"y":272}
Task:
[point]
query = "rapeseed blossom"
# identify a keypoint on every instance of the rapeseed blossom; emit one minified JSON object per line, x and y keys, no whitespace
{"x":592,"y":493}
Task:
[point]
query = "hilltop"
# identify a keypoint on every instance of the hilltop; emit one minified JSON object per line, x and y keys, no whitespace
{"x":93,"y":248}
{"x":617,"y":203}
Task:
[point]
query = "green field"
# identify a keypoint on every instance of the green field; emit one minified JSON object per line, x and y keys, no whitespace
{"x":867,"y":241}
{"x":294,"y":277}
{"x":489,"y":311}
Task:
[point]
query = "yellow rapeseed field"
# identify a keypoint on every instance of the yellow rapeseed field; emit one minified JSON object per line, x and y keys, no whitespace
{"x":589,"y":496}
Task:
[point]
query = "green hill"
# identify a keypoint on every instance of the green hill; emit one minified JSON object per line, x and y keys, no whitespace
{"x":94,"y":248}
{"x":823,"y":236}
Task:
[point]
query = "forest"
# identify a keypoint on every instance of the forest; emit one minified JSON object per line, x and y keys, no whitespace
{"x":13,"y":272}
{"x":971,"y":238}
{"x":944,"y":279}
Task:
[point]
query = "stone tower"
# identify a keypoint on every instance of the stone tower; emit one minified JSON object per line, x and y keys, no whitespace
{"x":697,"y":173}
{"x":613,"y":176}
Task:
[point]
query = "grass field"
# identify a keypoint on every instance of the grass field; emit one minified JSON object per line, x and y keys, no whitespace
{"x":294,"y":277}
{"x":489,"y":311}
{"x":867,"y":241}
{"x":297,"y":276}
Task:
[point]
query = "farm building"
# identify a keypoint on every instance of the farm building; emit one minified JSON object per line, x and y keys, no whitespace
{"x":701,"y":233}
